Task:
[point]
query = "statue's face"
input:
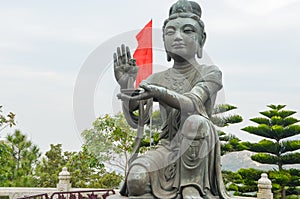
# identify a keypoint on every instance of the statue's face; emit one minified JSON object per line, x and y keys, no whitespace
{"x":181,"y":37}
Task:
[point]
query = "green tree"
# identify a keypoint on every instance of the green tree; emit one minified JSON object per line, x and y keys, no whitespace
{"x":24,"y":156}
{"x":221,"y":118}
{"x":7,"y":164}
{"x":85,"y":169}
{"x":111,"y":140}
{"x":243,"y":182}
{"x":293,"y":189}
{"x":6,"y":158}
{"x":276,"y":126}
{"x":6,"y":120}
{"x":49,"y":166}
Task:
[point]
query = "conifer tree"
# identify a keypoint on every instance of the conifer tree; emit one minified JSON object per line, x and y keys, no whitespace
{"x":221,"y":118}
{"x":276,"y":126}
{"x":23,"y":157}
{"x":6,"y":120}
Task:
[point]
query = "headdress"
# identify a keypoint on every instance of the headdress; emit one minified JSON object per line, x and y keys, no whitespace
{"x":184,"y":8}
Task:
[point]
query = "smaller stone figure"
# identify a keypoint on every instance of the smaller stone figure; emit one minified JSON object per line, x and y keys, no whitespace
{"x":186,"y":163}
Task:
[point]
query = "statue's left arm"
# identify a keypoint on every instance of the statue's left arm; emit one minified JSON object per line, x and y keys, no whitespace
{"x":204,"y":93}
{"x":190,"y":102}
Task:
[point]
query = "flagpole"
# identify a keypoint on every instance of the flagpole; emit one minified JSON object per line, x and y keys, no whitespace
{"x":150,"y":116}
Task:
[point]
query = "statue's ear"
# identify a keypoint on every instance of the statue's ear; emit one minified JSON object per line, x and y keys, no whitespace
{"x":203,"y":39}
{"x":168,"y":57}
{"x":199,"y":52}
{"x":201,"y":44}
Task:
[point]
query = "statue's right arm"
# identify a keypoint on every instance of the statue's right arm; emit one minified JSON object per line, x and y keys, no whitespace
{"x":125,"y":68}
{"x":125,"y":71}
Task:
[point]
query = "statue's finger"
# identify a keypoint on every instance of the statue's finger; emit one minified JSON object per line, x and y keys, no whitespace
{"x":115,"y":60}
{"x":128,"y":53}
{"x":142,"y":96}
{"x":144,"y":86}
{"x":119,"y":56}
{"x":124,"y":56}
{"x":124,"y":97}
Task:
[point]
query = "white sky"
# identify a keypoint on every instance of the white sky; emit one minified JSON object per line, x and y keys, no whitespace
{"x":45,"y":45}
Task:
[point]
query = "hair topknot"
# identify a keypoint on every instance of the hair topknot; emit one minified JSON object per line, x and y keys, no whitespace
{"x":185,"y":9}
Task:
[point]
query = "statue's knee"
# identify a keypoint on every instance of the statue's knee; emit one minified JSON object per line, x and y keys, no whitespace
{"x":138,"y":181}
{"x":195,"y":127}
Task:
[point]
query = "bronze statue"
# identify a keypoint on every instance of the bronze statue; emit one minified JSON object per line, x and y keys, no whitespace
{"x":186,"y":163}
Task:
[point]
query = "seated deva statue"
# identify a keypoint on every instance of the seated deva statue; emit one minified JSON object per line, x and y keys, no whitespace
{"x":186,"y":163}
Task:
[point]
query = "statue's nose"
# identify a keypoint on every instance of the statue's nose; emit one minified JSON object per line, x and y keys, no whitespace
{"x":178,"y":36}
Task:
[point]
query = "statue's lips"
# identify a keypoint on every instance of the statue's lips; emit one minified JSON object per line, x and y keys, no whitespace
{"x":177,"y":46}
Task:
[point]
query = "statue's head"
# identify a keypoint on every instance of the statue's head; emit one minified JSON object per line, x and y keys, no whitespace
{"x":184,"y":23}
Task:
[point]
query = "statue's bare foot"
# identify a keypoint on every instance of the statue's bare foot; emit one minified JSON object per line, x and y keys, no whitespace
{"x":190,"y":193}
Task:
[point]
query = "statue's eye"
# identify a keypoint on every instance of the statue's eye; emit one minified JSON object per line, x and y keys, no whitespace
{"x":188,"y":30}
{"x":169,"y":31}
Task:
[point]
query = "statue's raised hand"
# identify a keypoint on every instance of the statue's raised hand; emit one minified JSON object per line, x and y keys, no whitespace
{"x":125,"y":68}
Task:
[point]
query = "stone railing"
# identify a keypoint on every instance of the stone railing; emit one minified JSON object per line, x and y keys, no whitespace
{"x":17,"y":192}
{"x":64,"y":185}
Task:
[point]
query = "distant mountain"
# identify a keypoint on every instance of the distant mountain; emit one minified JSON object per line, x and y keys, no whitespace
{"x":237,"y":160}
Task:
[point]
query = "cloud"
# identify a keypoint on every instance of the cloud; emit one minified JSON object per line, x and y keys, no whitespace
{"x":23,"y":73}
{"x":259,"y":7}
{"x":37,"y":26}
{"x":245,"y":17}
{"x":42,"y":102}
{"x":43,"y":45}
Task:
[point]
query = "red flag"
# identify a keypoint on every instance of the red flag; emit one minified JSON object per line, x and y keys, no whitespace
{"x":143,"y":53}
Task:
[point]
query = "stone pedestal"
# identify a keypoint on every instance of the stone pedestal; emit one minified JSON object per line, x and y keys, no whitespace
{"x":64,"y":180}
{"x":264,"y":187}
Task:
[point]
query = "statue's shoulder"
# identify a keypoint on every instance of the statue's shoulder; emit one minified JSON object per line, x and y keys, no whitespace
{"x":208,"y":68}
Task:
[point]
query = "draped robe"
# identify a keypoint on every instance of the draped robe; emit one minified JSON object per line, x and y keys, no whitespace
{"x":178,"y":162}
